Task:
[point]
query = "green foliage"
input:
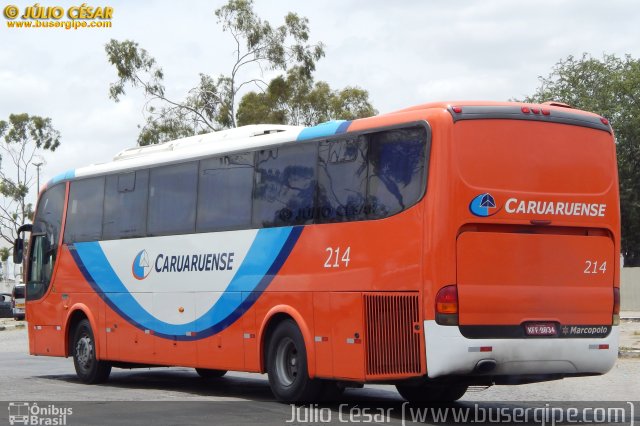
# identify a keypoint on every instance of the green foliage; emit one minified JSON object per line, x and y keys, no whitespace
{"x":211,"y":105}
{"x":610,"y":87}
{"x":134,"y":66}
{"x":22,"y":141}
{"x":256,"y":40}
{"x":4,"y":254}
{"x":298,"y":100}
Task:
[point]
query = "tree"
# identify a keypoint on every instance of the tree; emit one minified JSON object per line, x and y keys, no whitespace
{"x":211,"y":105}
{"x":23,"y":141}
{"x":609,"y":87}
{"x":297,"y":100}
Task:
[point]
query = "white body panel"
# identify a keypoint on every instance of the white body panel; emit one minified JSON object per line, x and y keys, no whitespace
{"x":450,"y":353}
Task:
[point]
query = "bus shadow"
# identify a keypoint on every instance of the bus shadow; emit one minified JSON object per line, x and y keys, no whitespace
{"x":370,"y":404}
{"x":251,"y":397}
{"x":181,"y":381}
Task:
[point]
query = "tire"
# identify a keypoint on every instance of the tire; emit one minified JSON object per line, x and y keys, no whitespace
{"x":430,"y":392}
{"x":207,"y":373}
{"x":287,"y":366}
{"x":89,"y":369}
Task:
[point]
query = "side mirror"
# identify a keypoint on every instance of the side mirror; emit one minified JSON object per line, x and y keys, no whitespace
{"x":18,"y":244}
{"x":18,"y":249}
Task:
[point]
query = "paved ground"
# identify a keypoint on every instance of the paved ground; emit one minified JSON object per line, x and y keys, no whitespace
{"x":178,"y":396}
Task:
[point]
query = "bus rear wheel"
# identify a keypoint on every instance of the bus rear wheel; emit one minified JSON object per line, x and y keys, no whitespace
{"x":430,"y":392}
{"x":207,"y":373}
{"x":287,"y":366}
{"x":89,"y":369}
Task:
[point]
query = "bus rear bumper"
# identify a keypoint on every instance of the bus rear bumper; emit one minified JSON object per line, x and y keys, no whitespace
{"x":450,"y":353}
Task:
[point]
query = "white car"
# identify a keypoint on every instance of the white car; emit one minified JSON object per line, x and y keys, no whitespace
{"x":17,"y":301}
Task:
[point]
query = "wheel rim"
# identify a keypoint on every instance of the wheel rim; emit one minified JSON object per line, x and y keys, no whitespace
{"x":287,"y":362}
{"x":84,"y":352}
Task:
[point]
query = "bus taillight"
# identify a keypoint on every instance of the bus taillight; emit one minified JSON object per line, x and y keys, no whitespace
{"x":447,"y":305}
{"x":616,"y":306}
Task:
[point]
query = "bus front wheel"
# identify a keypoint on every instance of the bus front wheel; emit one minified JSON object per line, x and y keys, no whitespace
{"x":431,"y":392}
{"x":89,"y":369}
{"x":287,"y":366}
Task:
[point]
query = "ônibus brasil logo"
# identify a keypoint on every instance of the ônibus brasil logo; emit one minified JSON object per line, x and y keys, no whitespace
{"x":483,"y":205}
{"x":140,"y":267}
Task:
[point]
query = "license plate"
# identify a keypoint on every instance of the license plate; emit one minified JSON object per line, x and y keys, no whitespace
{"x":541,"y":329}
{"x":20,"y":305}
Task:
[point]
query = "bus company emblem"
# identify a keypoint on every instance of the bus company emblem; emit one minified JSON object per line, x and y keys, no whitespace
{"x":483,"y":205}
{"x":140,"y":267}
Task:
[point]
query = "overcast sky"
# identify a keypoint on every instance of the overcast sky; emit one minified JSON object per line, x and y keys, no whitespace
{"x":403,"y":52}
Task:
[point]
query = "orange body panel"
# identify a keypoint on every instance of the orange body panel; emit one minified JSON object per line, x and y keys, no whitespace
{"x":506,"y":278}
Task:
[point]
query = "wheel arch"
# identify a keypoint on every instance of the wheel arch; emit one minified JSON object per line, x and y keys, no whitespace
{"x":77,"y":313}
{"x":275,"y":316}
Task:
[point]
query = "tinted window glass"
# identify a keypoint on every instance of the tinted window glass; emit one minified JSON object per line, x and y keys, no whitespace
{"x":342,"y":180}
{"x":84,"y":212}
{"x":285,"y":186}
{"x":125,"y":205}
{"x":44,"y":250}
{"x":396,"y":170}
{"x":48,"y":217}
{"x":224,"y":193}
{"x":172,"y":199}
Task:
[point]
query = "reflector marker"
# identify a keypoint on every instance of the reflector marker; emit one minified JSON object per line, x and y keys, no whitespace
{"x":352,"y":341}
{"x":108,"y":330}
{"x":321,"y":339}
{"x":249,"y":335}
{"x":599,"y":347}
{"x":481,"y":349}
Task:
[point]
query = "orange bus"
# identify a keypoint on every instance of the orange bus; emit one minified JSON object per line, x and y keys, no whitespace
{"x":434,"y":248}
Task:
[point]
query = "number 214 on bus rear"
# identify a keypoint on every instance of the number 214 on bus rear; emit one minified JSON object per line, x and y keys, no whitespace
{"x":434,"y":248}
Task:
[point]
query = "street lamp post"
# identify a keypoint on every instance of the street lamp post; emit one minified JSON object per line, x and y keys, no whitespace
{"x":37,"y":177}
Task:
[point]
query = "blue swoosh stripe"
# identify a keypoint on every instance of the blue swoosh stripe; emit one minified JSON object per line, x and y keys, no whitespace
{"x":322,"y":130}
{"x":69,"y":174}
{"x":264,"y":259}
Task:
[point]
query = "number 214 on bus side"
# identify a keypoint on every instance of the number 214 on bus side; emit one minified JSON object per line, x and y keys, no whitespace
{"x":435,"y":248}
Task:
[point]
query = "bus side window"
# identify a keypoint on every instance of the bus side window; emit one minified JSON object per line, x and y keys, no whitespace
{"x":224,"y":192}
{"x":342,"y":180}
{"x":125,"y":205}
{"x":396,"y":171}
{"x":172,"y":199}
{"x":285,"y":186}
{"x":84,"y":211}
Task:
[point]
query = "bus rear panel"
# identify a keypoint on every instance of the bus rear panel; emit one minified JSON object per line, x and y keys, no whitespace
{"x":535,"y":227}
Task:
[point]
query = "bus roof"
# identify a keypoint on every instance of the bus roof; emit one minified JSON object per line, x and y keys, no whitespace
{"x":269,"y":135}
